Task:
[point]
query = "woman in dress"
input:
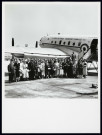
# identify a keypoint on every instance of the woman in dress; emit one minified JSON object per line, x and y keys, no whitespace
{"x":43,"y":69}
{"x":39,"y":69}
{"x":25,"y":71}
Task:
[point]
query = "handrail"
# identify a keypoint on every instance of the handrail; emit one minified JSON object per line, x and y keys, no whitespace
{"x":83,"y":54}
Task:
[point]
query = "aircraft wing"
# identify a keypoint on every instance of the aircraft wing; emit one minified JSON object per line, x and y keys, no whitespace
{"x":31,"y":52}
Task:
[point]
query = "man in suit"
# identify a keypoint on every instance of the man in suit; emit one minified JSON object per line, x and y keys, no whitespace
{"x":73,"y":56}
{"x":11,"y":71}
{"x":64,"y":67}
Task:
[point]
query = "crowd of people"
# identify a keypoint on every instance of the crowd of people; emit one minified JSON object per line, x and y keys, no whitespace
{"x":29,"y":69}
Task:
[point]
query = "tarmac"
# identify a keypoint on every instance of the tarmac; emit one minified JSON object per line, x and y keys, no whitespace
{"x":53,"y":88}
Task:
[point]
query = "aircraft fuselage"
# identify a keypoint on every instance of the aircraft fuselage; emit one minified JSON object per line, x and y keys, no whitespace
{"x":64,"y":44}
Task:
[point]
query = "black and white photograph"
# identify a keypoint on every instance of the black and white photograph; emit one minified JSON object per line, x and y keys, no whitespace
{"x":51,"y":55}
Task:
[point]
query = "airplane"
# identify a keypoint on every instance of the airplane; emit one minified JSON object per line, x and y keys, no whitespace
{"x":58,"y":46}
{"x":66,"y":44}
{"x":84,"y":48}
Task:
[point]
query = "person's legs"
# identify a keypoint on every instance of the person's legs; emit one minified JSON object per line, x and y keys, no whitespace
{"x":10,"y":78}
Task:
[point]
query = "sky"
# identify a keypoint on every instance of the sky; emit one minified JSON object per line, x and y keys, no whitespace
{"x":28,"y":22}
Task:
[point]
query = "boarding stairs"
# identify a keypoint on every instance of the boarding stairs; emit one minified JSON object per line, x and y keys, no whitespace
{"x":90,"y":57}
{"x":83,"y":55}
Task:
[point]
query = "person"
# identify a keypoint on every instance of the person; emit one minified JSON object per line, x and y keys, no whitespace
{"x":68,"y":67}
{"x":31,"y":69}
{"x":56,"y":68}
{"x":75,"y":69}
{"x":46,"y":69}
{"x":35,"y":69}
{"x":11,"y":71}
{"x":80,"y":68}
{"x":64,"y":67}
{"x":17,"y":69}
{"x":52,"y":67}
{"x":71,"y":69}
{"x":25,"y":71}
{"x":49,"y":68}
{"x":21,"y":69}
{"x":28,"y":62}
{"x":84,"y":68}
{"x":43,"y":69}
{"x":73,"y":57}
{"x":61,"y":70}
{"x":39,"y":69}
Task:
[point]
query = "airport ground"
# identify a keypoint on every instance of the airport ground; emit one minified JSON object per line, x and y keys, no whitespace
{"x":53,"y":88}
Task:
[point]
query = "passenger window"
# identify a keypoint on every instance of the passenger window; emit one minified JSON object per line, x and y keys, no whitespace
{"x":64,"y":43}
{"x":51,"y":41}
{"x":79,"y":43}
{"x":73,"y":44}
{"x":60,"y":42}
{"x":55,"y":42}
{"x":69,"y":43}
